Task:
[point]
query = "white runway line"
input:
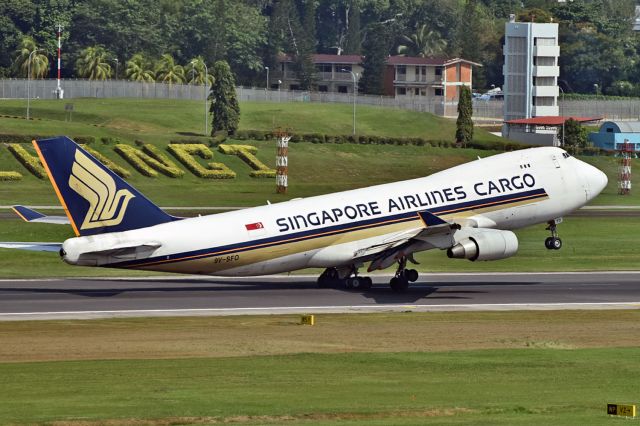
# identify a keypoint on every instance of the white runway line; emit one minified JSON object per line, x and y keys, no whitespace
{"x":19,"y":316}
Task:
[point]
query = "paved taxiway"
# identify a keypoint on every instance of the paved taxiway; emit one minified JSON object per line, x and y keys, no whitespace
{"x":174,"y":296}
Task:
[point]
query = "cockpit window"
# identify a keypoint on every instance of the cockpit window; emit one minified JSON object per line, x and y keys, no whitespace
{"x":566,"y":155}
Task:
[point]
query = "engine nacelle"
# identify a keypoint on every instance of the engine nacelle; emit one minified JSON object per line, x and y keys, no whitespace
{"x":485,"y":244}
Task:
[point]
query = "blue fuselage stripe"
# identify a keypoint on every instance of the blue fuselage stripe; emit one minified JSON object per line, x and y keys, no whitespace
{"x":333,"y":230}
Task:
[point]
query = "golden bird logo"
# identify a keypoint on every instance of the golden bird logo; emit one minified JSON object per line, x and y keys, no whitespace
{"x":107,"y":205}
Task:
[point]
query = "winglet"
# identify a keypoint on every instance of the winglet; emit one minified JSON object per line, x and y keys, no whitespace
{"x":431,"y":219}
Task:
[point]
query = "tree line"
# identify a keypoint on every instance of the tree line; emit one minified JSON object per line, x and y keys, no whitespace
{"x":173,"y":40}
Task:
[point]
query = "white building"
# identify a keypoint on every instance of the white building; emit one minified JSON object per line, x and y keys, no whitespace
{"x":530,"y":71}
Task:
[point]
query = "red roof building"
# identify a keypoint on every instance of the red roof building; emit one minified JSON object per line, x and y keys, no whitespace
{"x":432,"y":79}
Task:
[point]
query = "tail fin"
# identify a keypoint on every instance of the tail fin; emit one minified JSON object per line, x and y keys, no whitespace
{"x":95,"y":199}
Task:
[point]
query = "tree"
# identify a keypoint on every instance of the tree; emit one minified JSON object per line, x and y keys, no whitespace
{"x":39,"y":62}
{"x":167,"y":71}
{"x":575,"y":136}
{"x":195,"y":71}
{"x":93,"y":63}
{"x":375,"y":48}
{"x":224,"y":103}
{"x":464,"y":124}
{"x":139,"y":69}
{"x":423,"y":43}
{"x":353,"y":37}
{"x":470,"y":38}
{"x":303,"y":63}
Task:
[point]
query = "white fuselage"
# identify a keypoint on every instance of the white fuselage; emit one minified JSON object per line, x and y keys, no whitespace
{"x":505,"y":191}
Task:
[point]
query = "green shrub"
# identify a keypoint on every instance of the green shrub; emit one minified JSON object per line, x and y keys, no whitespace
{"x":241,"y":135}
{"x":109,"y":140}
{"x":148,"y":160}
{"x":10,"y":176}
{"x":9,"y":138}
{"x":120,"y":171}
{"x":167,"y":167}
{"x":29,"y":161}
{"x":189,"y":141}
{"x":246,"y":154}
{"x":84,"y":140}
{"x":184,"y":153}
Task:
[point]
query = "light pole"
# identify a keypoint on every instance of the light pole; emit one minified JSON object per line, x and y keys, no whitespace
{"x":355,"y":93}
{"x":117,"y":66}
{"x":267,"y":86}
{"x":206,"y":80}
{"x":29,"y":81}
{"x":562,"y":115}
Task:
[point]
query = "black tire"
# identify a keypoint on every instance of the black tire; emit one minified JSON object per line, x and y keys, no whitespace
{"x":399,"y":284}
{"x":323,"y":282}
{"x":557,"y":244}
{"x":548,"y":243}
{"x":367,"y":283}
{"x":411,"y":275}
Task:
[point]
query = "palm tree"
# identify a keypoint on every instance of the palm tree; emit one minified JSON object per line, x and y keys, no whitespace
{"x":139,"y":69}
{"x":93,"y":63}
{"x":195,"y":71}
{"x":39,"y":62}
{"x":423,"y":43}
{"x":167,"y":71}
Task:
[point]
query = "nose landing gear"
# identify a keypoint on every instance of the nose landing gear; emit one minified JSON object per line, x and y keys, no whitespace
{"x":553,"y":242}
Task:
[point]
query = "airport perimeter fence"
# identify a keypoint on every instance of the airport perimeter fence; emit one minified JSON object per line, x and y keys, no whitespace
{"x":482,"y":110}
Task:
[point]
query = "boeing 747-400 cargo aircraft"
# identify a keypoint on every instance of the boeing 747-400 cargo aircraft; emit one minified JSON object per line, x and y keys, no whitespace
{"x":468,"y":210}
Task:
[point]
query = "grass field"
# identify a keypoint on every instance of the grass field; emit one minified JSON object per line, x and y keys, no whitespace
{"x":436,"y":368}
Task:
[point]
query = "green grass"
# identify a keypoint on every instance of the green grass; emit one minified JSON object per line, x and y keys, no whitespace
{"x":526,"y":386}
{"x":159,"y":120}
{"x":590,"y":244}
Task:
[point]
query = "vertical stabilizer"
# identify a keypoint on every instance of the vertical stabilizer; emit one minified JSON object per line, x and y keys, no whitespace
{"x":95,"y":199}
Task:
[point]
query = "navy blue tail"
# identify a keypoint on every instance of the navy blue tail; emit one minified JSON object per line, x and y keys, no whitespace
{"x":96,"y":199}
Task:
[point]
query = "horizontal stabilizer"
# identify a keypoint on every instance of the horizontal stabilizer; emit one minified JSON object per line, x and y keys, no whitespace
{"x":32,"y":246}
{"x":30,"y":215}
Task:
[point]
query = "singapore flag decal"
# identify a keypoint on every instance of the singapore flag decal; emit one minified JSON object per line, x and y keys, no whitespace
{"x":254,"y":226}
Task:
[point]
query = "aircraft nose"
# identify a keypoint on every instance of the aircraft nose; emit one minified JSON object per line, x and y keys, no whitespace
{"x":595,"y":179}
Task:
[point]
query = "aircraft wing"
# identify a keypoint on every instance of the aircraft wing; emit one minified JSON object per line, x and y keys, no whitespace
{"x":435,"y":232}
{"x":30,"y":215}
{"x":32,"y":246}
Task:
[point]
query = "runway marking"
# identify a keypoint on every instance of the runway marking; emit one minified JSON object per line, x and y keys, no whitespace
{"x":310,"y":309}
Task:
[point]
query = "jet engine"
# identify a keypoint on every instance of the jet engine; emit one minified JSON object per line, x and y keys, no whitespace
{"x":484,"y":244}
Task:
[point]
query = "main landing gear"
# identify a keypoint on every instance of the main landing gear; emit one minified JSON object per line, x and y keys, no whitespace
{"x":400,"y":282}
{"x":553,"y":242}
{"x":330,"y":278}
{"x":350,"y":280}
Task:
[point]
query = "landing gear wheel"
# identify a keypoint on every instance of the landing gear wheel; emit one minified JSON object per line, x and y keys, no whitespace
{"x":353,"y":283}
{"x":411,"y":275}
{"x":329,"y":278}
{"x":548,"y":243}
{"x":367,"y":283}
{"x":553,"y":242}
{"x":399,"y":284}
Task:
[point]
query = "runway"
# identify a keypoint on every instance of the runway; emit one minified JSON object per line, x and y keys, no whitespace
{"x":180,"y":296}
